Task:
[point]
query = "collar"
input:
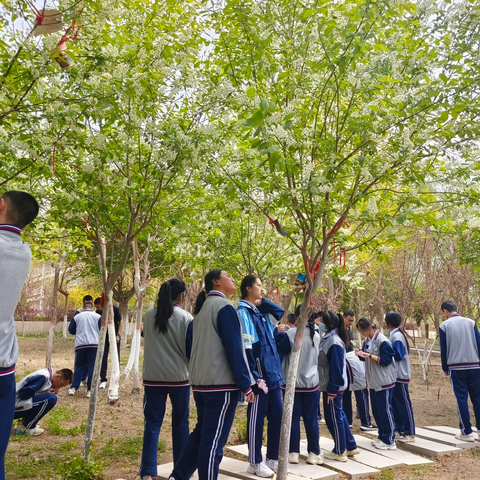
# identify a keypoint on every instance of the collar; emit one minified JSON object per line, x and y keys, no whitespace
{"x":177,"y":305}
{"x":11,"y":228}
{"x":395,"y":330}
{"x":330,"y":333}
{"x":454,"y":315}
{"x":377,"y":333}
{"x":216,"y":293}
{"x":246,"y":304}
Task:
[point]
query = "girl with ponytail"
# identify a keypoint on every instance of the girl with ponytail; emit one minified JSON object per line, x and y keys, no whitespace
{"x":333,"y":382}
{"x":307,"y":394}
{"x":401,"y":403}
{"x":377,"y":353}
{"x":165,"y":373}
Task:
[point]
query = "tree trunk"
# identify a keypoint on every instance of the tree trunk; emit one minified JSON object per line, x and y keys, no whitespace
{"x":65,"y":315}
{"x":114,"y":363}
{"x":136,"y":362}
{"x":123,"y":306}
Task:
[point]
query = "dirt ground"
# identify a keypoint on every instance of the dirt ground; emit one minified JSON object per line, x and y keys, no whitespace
{"x":119,"y":428}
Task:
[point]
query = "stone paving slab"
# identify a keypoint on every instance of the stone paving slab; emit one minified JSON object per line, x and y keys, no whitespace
{"x":449,"y":430}
{"x":400,"y":455}
{"x":442,"y":437}
{"x":428,"y":447}
{"x":164,"y":471}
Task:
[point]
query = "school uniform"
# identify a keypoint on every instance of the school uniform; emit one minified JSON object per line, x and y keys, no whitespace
{"x":218,"y":370}
{"x":460,"y":352}
{"x":165,"y":374}
{"x":33,"y":399}
{"x":357,"y":383}
{"x":86,"y":328}
{"x":15,"y":257}
{"x":258,"y":324}
{"x":307,"y":394}
{"x":401,"y":403}
{"x":333,"y":382}
{"x":381,"y":376}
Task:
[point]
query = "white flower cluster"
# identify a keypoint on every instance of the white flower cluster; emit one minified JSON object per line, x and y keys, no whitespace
{"x":473,"y":223}
{"x":283,"y":135}
{"x":372,"y":208}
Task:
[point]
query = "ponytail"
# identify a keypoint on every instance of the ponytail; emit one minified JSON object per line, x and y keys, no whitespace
{"x":169,"y":291}
{"x":332,"y":321}
{"x":202,"y":296}
{"x":364,"y":324}
{"x":394,"y":319}
{"x":310,"y":322}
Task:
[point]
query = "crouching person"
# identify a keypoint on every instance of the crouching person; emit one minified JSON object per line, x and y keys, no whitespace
{"x":36,"y":396}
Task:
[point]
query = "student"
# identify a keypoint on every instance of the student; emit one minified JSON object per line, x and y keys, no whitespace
{"x":259,"y":318}
{"x":333,"y":382}
{"x":17,"y":210}
{"x":218,"y":369}
{"x":86,"y":327}
{"x":460,"y":352}
{"x":381,"y":374}
{"x":401,"y":403}
{"x":117,"y":321}
{"x":86,"y":298}
{"x":307,"y":394}
{"x":36,"y":396}
{"x":165,"y":373}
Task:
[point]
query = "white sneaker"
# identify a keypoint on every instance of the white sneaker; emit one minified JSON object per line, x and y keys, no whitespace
{"x":103,"y":385}
{"x":352,"y":453}
{"x":260,"y":469}
{"x":335,"y":456}
{"x":71,"y":391}
{"x":293,"y":457}
{"x":272,"y":464}
{"x":322,"y":421}
{"x":88,"y":394}
{"x":34,"y":432}
{"x":384,"y":446}
{"x":405,"y":438}
{"x":81,"y":385}
{"x":314,"y":459}
{"x":465,"y":438}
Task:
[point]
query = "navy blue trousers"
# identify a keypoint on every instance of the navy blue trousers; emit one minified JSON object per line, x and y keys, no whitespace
{"x":402,"y":409}
{"x":361,"y":396}
{"x":154,"y":403}
{"x":204,"y":447}
{"x":42,"y":404}
{"x":383,"y":414}
{"x":337,"y":424}
{"x":7,"y":409}
{"x":270,"y":406}
{"x":84,"y":363}
{"x":465,"y":383}
{"x":306,"y":405}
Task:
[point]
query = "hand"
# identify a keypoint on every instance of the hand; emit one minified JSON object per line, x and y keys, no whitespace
{"x":360,"y":353}
{"x":258,"y":301}
{"x":54,"y":390}
{"x":118,"y":338}
{"x":282,"y":327}
{"x":330,"y":399}
{"x":446,"y":374}
{"x":250,"y":397}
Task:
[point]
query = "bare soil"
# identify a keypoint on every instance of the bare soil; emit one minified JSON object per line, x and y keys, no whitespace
{"x":119,"y":427}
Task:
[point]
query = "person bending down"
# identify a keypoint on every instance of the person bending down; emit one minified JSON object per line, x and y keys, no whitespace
{"x":36,"y":396}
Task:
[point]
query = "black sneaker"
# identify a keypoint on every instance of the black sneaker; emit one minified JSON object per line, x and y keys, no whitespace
{"x":368,"y":428}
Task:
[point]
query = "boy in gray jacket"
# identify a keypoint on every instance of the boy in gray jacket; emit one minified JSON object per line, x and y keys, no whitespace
{"x":17,"y":210}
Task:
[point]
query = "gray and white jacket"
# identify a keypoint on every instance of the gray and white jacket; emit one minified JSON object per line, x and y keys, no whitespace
{"x":402,"y":360}
{"x":356,"y":372}
{"x":33,"y":384}
{"x":381,"y":374}
{"x":332,"y":370}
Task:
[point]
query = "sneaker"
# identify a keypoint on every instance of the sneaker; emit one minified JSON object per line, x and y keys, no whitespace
{"x":322,"y":421}
{"x":351,"y":426}
{"x":352,"y":453}
{"x":384,"y":446}
{"x":314,"y":459}
{"x":335,"y":456}
{"x":88,"y":394}
{"x":71,"y":391}
{"x":405,"y":438}
{"x":293,"y":457}
{"x":242,"y":404}
{"x":260,"y":469}
{"x":368,"y":428}
{"x":103,"y":385}
{"x":34,"y":432}
{"x":81,"y":385}
{"x":272,"y":464}
{"x":465,"y":438}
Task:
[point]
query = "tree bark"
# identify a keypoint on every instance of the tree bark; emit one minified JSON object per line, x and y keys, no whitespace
{"x":114,"y":363}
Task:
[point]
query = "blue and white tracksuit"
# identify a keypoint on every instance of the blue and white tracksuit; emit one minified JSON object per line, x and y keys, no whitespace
{"x":218,"y":370}
{"x":333,"y":382}
{"x":307,"y":394}
{"x":401,"y":403}
{"x":460,"y":351}
{"x":86,"y":328}
{"x":258,"y":324}
{"x":33,"y":400}
{"x":381,"y":376}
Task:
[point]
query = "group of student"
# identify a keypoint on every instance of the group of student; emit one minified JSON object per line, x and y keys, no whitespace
{"x":224,"y":354}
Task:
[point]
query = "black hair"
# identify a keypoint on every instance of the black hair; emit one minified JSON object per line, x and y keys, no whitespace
{"x":310,"y":322}
{"x":88,"y":304}
{"x":335,"y":320}
{"x":169,"y":291}
{"x":66,"y":374}
{"x":98,"y":301}
{"x":202,"y":296}
{"x":87,"y":298}
{"x":449,"y":306}
{"x":291,"y":319}
{"x":248,"y":281}
{"x":348,"y":313}
{"x":364,"y":324}
{"x":22,"y":208}
{"x":394,"y":319}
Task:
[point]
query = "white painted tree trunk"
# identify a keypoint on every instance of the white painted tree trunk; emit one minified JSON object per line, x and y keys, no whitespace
{"x":131,"y":357}
{"x":125,"y":329}
{"x":138,"y":328}
{"x":65,"y":326}
{"x":113,"y":356}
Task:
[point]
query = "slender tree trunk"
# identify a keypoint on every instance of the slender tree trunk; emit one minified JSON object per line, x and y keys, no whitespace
{"x":65,"y":315}
{"x":136,"y":362}
{"x":123,"y":306}
{"x":114,"y":363}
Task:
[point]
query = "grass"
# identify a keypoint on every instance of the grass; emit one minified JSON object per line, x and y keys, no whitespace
{"x":56,"y":419}
{"x":129,"y":448}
